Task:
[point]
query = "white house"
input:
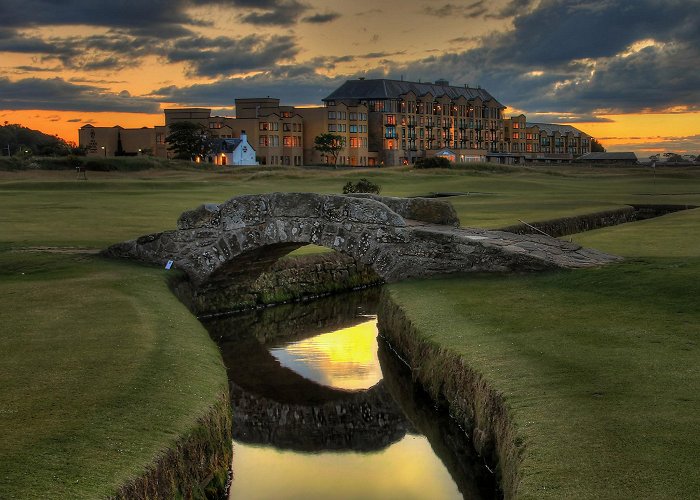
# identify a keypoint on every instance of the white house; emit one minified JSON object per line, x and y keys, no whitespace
{"x":234,"y":151}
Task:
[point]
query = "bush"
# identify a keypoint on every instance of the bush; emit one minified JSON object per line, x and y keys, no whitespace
{"x":433,"y":162}
{"x":361,"y":186}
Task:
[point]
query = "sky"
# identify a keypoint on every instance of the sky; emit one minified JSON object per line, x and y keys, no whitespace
{"x":624,"y":71}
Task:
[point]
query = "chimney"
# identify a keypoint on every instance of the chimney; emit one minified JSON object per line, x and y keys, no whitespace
{"x":244,"y":137}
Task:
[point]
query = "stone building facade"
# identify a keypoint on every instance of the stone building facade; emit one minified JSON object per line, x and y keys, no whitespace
{"x":380,"y":122}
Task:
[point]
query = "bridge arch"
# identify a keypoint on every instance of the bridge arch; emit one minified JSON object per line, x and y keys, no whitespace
{"x":399,"y":238}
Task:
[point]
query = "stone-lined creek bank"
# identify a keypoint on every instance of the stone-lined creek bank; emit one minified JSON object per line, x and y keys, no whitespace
{"x":321,"y":400}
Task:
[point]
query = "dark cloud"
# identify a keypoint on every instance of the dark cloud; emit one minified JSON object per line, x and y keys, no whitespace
{"x":679,"y":144}
{"x":223,"y":55}
{"x":35,"y":69}
{"x":74,"y":120}
{"x":472,"y":9}
{"x":274,"y":13}
{"x":584,"y":58}
{"x":375,"y":55}
{"x":295,"y":85}
{"x":322,"y":18}
{"x":57,"y":94}
{"x":567,"y":118}
{"x":127,"y":14}
{"x":14,"y":41}
{"x":511,"y":9}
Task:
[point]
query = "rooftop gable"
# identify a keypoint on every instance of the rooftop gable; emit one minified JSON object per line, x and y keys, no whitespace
{"x":394,"y":89}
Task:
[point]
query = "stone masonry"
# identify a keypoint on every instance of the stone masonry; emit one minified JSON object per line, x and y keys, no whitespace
{"x":398,"y":238}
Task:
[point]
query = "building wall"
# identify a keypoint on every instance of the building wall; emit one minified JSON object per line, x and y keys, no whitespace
{"x":349,"y":122}
{"x":390,"y":131}
{"x":104,"y":141}
{"x":404,"y":129}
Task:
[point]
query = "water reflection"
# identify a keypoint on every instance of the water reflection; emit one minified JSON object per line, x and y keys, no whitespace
{"x":313,"y":417}
{"x":345,"y":358}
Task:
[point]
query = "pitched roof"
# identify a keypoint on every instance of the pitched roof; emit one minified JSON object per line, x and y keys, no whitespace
{"x":550,"y":128}
{"x":393,"y":89}
{"x":228,"y":145}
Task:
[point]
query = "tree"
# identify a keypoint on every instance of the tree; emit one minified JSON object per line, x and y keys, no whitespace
{"x":188,"y":140}
{"x":433,"y":162}
{"x":596,"y":147}
{"x":329,"y":144}
{"x":361,"y":186}
{"x":14,"y":137}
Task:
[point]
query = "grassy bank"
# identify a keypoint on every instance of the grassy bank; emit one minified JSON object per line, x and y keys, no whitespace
{"x":598,"y":368}
{"x":103,"y":369}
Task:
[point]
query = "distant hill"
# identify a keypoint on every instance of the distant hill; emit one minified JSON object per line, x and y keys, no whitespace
{"x":20,"y":139}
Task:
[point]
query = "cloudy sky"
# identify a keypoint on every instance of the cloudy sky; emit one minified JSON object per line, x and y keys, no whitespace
{"x":626,"y":71}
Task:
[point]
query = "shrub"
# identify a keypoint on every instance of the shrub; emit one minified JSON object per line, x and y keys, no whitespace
{"x":433,"y":162}
{"x":361,"y":186}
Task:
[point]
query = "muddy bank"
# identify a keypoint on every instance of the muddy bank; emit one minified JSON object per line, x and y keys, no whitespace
{"x":478,"y":408}
{"x":577,"y":224}
{"x":195,"y":467}
{"x":288,"y":280}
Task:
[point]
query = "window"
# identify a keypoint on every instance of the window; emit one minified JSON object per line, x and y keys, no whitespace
{"x":353,"y":129}
{"x":265,"y":126}
{"x":354,"y":142}
{"x":376,"y":105}
{"x":516,"y":124}
{"x":516,"y":135}
{"x":214,"y":124}
{"x":331,"y":115}
{"x":288,"y":141}
{"x":331,"y":127}
{"x":286,"y":114}
{"x":353,"y":116}
{"x":342,"y":115}
{"x":287,"y":127}
{"x":160,"y":138}
{"x":391,"y":119}
{"x":263,"y":141}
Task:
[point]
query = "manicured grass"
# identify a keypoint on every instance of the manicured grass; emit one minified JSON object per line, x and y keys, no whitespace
{"x":600,"y":368}
{"x":102,"y":368}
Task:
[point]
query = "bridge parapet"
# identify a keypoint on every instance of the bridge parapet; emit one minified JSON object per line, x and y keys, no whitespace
{"x":243,"y":236}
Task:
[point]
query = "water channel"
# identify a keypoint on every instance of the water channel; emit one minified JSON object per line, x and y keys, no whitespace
{"x":322,"y":408}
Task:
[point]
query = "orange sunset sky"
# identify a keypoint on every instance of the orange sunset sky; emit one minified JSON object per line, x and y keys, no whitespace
{"x":625,"y":72}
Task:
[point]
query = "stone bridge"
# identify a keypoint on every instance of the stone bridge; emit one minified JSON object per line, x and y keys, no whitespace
{"x":399,"y":238}
{"x":274,"y":405}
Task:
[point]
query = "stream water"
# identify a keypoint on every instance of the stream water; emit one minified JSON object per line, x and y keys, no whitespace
{"x":322,"y":408}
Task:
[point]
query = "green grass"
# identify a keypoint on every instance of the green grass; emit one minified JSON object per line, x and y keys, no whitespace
{"x":600,"y":368}
{"x":102,"y":368}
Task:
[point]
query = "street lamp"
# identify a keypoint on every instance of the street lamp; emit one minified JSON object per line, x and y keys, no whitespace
{"x":104,"y":150}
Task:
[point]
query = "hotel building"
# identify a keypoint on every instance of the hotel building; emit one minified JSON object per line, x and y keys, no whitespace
{"x":379,"y":121}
